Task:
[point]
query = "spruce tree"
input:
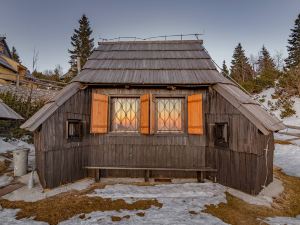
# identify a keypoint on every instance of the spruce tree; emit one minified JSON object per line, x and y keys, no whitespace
{"x":241,"y":70}
{"x":225,"y":71}
{"x":267,"y":72}
{"x":15,"y":55}
{"x":293,"y":47}
{"x":82,"y":43}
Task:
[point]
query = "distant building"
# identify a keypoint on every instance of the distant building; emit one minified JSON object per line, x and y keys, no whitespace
{"x":10,"y":70}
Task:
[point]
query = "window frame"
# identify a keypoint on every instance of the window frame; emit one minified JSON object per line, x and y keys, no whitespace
{"x":110,"y":111}
{"x":183,"y":114}
{"x":216,"y":142}
{"x":74,"y":139}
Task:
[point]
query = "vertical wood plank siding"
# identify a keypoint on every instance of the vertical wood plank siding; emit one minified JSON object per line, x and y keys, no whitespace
{"x":241,"y":166}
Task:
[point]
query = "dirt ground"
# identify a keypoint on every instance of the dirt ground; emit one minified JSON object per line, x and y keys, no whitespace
{"x":238,"y":212}
{"x":66,"y":205}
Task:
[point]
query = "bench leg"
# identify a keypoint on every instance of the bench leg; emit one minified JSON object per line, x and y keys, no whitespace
{"x":98,"y":175}
{"x":147,"y":175}
{"x":200,"y":176}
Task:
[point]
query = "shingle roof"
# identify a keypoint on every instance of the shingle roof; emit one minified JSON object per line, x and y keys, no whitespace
{"x":49,"y":108}
{"x":157,"y":63}
{"x":251,"y":109}
{"x":7,"y":113}
{"x":150,"y":62}
{"x":6,"y":64}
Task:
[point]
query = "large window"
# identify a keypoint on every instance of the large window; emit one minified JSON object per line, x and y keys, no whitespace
{"x":169,"y":114}
{"x":124,"y":114}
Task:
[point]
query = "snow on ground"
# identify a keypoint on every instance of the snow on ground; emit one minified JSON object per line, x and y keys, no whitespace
{"x":38,"y":193}
{"x":283,"y":220}
{"x":264,"y":198}
{"x":7,"y":217}
{"x":283,"y":137}
{"x":177,"y":200}
{"x":13,"y":144}
{"x":5,"y":180}
{"x":287,"y":157}
{"x":5,"y":146}
{"x":293,"y":120}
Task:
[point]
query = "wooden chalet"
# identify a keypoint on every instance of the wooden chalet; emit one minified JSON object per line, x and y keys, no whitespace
{"x":10,"y":70}
{"x":154,"y":109}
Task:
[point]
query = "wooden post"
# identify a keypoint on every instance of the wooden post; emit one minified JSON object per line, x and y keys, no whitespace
{"x":200,"y":176}
{"x":147,"y":175}
{"x":98,"y":175}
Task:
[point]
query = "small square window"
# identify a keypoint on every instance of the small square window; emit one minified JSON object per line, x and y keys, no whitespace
{"x":169,"y":114}
{"x":74,"y":129}
{"x":221,"y":134}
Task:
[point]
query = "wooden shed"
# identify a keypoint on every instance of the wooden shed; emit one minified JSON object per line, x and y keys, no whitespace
{"x":154,"y":109}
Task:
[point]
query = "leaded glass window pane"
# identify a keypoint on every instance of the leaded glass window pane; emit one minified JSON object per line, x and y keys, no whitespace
{"x":169,"y":114}
{"x":124,"y":115}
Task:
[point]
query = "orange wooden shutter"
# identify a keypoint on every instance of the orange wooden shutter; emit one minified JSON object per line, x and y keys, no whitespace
{"x":99,"y":113}
{"x":195,"y":114}
{"x":146,"y":114}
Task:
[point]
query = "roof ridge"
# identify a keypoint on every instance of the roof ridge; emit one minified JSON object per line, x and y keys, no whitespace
{"x":151,"y":42}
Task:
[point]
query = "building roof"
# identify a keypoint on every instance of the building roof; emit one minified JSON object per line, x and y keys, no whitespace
{"x":49,"y":108}
{"x":6,"y":64}
{"x":251,"y":109}
{"x":7,"y":113}
{"x":157,"y":63}
{"x":150,"y":63}
{"x":6,"y":48}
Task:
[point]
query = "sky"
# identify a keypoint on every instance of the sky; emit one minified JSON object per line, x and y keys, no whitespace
{"x":47,"y":26}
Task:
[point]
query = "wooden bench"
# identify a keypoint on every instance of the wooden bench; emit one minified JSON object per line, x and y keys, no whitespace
{"x":200,"y":171}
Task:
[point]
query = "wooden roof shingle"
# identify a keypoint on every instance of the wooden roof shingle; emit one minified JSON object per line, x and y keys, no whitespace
{"x":155,"y":62}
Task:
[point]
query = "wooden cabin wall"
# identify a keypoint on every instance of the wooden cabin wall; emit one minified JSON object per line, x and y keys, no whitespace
{"x":242,"y":165}
{"x":64,"y":160}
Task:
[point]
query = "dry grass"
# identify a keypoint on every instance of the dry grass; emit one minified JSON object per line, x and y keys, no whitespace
{"x":4,"y":165}
{"x":140,"y":214}
{"x":117,"y":218}
{"x":283,"y":142}
{"x":238,"y":212}
{"x":192,"y":212}
{"x":66,"y":205}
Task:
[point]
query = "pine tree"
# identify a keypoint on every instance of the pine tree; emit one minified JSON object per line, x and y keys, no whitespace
{"x":15,"y":55}
{"x":267,"y":72}
{"x":82,"y":43}
{"x":293,"y":47}
{"x":225,"y":71}
{"x":241,"y":70}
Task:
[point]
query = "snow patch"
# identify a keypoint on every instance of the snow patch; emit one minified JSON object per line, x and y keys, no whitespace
{"x":177,"y":200}
{"x":38,"y":193}
{"x":283,"y":220}
{"x":287,"y":157}
{"x":5,"y":146}
{"x":264,"y":198}
{"x":267,"y":96}
{"x":5,"y":180}
{"x":8,"y":217}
